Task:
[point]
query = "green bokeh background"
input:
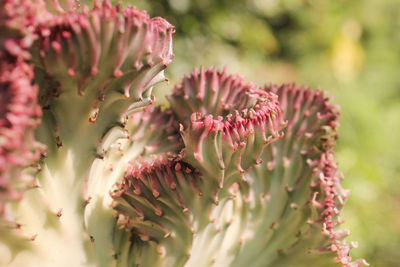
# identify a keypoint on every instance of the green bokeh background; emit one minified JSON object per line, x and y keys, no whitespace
{"x":349,"y":48}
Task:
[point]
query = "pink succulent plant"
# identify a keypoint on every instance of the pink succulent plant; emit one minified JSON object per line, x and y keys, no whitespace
{"x":92,"y":174}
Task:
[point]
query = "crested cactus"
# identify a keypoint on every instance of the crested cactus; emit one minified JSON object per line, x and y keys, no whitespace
{"x":93,"y":174}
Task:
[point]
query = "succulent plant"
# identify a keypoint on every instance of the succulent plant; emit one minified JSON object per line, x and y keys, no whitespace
{"x":92,"y":173}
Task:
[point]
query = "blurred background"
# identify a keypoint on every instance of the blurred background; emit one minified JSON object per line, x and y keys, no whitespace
{"x":350,"y":49}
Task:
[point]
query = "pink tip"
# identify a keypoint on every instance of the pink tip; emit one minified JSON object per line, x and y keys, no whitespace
{"x":71,"y":72}
{"x":198,"y":156}
{"x":118,"y":73}
{"x":93,"y":71}
{"x":56,"y":46}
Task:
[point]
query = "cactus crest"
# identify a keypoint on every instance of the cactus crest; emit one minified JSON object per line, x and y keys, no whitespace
{"x":93,"y":174}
